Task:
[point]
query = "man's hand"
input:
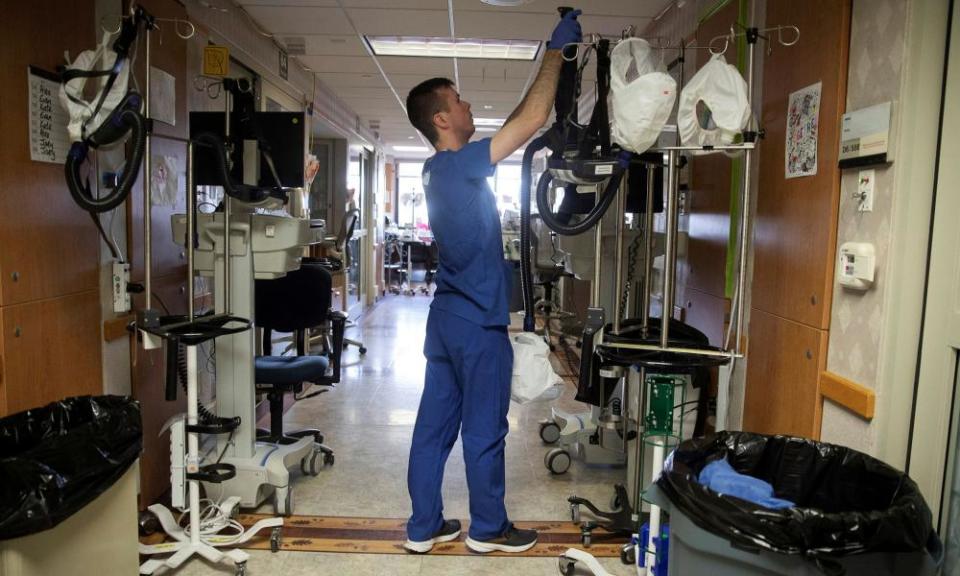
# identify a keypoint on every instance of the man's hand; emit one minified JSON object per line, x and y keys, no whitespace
{"x":567,"y":31}
{"x":534,"y":111}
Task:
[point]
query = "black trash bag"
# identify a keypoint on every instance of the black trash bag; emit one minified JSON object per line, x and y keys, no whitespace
{"x":847,"y":502}
{"x":57,"y":459}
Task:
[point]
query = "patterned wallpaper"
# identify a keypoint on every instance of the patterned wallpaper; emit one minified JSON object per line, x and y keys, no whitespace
{"x":857,"y":321}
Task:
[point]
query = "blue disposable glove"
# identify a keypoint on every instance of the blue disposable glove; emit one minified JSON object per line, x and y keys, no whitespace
{"x":566,"y":32}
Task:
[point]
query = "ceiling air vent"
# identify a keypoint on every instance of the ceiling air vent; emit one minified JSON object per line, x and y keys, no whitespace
{"x":296,"y":45}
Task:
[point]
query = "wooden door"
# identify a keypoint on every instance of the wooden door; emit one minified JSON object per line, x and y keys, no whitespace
{"x":796,"y":223}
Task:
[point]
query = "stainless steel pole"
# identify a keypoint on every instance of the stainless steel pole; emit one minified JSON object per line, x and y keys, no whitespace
{"x":670,"y":254}
{"x":191,"y":225}
{"x":621,"y":211}
{"x":745,"y":210}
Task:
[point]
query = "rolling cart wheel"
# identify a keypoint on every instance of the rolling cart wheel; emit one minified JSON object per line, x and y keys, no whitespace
{"x":549,"y":432}
{"x":557,"y":461}
{"x":575,"y":513}
{"x":305,"y":465}
{"x":628,"y":554}
{"x":567,"y":566}
{"x":586,"y":538}
{"x":315,"y":464}
{"x":363,"y":350}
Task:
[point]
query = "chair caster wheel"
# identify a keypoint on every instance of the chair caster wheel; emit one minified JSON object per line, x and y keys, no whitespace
{"x":549,"y":432}
{"x":328,"y":459}
{"x":557,"y":461}
{"x":276,"y":537}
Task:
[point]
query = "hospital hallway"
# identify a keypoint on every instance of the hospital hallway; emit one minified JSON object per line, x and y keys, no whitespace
{"x":368,"y":421}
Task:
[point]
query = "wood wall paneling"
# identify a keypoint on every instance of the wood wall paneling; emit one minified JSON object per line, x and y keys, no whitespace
{"x":52,"y":350}
{"x":783,"y":370}
{"x":39,"y":223}
{"x":796,"y":223}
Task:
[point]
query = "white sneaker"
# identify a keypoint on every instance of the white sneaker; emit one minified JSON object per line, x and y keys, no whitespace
{"x":448,"y":532}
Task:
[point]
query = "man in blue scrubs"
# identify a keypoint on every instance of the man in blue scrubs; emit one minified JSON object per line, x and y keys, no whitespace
{"x":469,"y":357}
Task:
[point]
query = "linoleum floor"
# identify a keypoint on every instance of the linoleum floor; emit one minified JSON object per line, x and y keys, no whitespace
{"x":368,"y":421}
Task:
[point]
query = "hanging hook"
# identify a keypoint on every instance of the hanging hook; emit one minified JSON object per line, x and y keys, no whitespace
{"x":726,"y":43}
{"x":796,"y":35}
{"x":192,"y":30}
{"x":119,"y":23}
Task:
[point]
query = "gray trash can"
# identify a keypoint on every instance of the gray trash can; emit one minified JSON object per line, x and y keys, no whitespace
{"x":695,"y":552}
{"x":854,"y":514}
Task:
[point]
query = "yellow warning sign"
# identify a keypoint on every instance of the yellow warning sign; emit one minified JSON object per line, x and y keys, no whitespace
{"x":216,"y":60}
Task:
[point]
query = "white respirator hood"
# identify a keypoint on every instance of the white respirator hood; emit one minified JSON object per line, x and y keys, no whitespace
{"x":723,"y":90}
{"x":642,"y":95}
{"x":82,"y":119}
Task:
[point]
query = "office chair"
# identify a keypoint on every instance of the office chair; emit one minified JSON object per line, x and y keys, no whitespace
{"x":341,"y":260}
{"x":296,"y":303}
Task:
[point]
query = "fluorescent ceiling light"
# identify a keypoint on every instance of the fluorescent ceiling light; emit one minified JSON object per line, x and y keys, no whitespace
{"x":488,"y":121}
{"x":445,"y":47}
{"x":411,"y":148}
{"x":486,"y":129}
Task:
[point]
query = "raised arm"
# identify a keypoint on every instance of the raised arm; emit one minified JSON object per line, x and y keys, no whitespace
{"x":534,"y":110}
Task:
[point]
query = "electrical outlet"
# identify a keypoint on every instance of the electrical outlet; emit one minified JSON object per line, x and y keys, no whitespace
{"x":118,"y":282}
{"x":865,"y":187}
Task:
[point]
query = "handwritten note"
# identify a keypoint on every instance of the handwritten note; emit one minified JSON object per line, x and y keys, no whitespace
{"x":49,"y":141}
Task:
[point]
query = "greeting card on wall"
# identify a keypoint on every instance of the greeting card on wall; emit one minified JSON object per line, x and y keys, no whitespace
{"x":803,"y":116}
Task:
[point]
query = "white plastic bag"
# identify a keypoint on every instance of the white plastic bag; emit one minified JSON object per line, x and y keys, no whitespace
{"x":72,"y":93}
{"x":724,"y":91}
{"x":533,"y":376}
{"x":642,"y":95}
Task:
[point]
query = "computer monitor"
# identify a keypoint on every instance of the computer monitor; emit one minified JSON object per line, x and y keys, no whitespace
{"x":282,"y":132}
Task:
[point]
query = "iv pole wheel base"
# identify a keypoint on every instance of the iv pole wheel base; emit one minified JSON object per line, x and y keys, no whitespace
{"x":276,"y":538}
{"x":549,"y":432}
{"x":557,"y":461}
{"x":283,"y":501}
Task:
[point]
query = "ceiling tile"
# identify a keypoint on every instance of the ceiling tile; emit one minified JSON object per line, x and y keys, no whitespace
{"x":497,"y":70}
{"x":425,"y":67}
{"x":299,"y":20}
{"x":352,"y":64}
{"x":384,"y":22}
{"x":600,"y":7}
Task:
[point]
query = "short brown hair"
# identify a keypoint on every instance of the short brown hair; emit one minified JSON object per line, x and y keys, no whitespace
{"x":423,"y":102}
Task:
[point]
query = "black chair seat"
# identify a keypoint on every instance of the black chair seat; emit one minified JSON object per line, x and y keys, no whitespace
{"x":289,"y":370}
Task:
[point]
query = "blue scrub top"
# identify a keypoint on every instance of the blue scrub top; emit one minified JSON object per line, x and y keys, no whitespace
{"x":473,"y":279}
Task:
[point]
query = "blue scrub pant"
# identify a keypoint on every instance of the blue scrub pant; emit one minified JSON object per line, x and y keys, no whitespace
{"x":467,"y":385}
